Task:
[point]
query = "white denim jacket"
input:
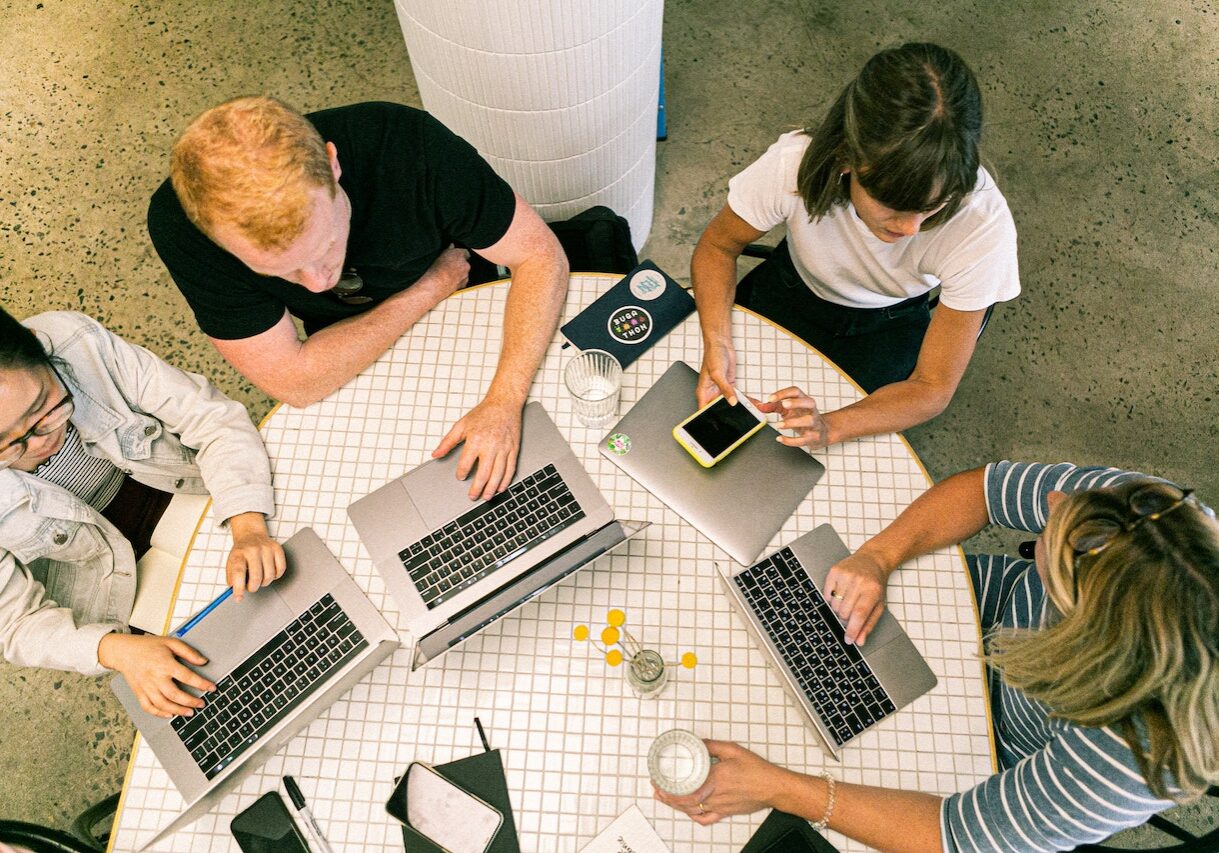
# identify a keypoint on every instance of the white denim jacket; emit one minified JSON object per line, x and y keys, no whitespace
{"x":67,"y":576}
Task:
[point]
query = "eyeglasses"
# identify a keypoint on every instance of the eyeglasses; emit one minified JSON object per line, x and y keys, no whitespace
{"x":348,"y":287}
{"x":55,"y":417}
{"x":1146,"y":503}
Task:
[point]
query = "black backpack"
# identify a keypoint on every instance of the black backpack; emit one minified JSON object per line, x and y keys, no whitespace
{"x":597,"y":240}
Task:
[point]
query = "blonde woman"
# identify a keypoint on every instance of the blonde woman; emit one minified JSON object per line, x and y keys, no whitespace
{"x":1103,"y":645}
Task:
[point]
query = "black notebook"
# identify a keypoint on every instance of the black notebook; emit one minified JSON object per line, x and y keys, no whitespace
{"x":632,"y":315}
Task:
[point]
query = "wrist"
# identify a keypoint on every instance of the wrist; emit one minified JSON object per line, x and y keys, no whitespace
{"x":800,"y":794}
{"x":884,"y":558}
{"x":248,"y":523}
{"x":105,"y":650}
{"x":834,"y":432}
{"x":503,"y":394}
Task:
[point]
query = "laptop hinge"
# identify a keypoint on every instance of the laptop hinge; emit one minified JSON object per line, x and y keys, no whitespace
{"x":538,"y":579}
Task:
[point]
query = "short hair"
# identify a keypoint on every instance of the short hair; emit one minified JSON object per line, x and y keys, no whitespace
{"x":1137,"y":644}
{"x":908,"y":129}
{"x":250,"y":164}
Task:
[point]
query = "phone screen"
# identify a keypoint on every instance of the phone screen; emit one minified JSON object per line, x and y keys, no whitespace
{"x":267,"y":827}
{"x":720,"y":426}
{"x":444,"y":812}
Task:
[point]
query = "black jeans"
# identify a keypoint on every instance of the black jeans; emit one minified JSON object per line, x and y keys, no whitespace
{"x":874,"y":346}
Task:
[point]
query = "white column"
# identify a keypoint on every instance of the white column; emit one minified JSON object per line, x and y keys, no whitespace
{"x":559,"y":96}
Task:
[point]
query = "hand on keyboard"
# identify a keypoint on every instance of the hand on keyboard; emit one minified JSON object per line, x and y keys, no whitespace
{"x":855,"y":590}
{"x":492,"y":435}
{"x":153,"y":671}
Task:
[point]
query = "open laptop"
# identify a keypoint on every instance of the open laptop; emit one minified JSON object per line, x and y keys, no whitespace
{"x":842,"y":689}
{"x":455,"y":566}
{"x":278,"y":658}
{"x":742,"y":502}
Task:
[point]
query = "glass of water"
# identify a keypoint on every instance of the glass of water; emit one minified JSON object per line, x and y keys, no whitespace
{"x":594,"y":380}
{"x":678,"y":762}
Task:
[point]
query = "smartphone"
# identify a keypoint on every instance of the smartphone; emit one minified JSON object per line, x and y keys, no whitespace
{"x":717,"y":429}
{"x":443,"y":812}
{"x":267,"y":827}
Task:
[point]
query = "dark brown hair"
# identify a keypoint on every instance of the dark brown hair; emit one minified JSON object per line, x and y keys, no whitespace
{"x":907,"y":128}
{"x":20,"y":348}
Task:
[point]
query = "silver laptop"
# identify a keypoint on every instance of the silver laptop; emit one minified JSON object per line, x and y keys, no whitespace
{"x":741,"y":503}
{"x":278,"y":658}
{"x":842,"y":689}
{"x":455,"y":566}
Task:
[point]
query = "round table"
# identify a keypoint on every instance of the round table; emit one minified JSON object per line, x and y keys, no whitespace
{"x":573,"y":736}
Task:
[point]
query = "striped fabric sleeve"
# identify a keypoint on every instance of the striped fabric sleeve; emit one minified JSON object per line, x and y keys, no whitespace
{"x":1016,"y":492}
{"x":993,"y":577}
{"x":1082,"y":787}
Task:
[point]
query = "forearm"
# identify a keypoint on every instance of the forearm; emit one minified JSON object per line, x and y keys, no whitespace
{"x":331,"y":357}
{"x":883,"y":818}
{"x":891,"y":408}
{"x":948,"y":513}
{"x":713,"y":280}
{"x":531,"y":315}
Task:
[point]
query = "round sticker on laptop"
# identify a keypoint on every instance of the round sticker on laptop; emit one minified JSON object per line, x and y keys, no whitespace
{"x":619,"y":444}
{"x":647,"y":284}
{"x":630,"y":324}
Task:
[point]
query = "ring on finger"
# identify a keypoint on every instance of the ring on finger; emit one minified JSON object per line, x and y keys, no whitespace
{"x":834,"y":594}
{"x":702,"y":809}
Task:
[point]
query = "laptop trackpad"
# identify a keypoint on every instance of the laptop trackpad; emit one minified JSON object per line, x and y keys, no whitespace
{"x":234,"y":630}
{"x":436,"y":493}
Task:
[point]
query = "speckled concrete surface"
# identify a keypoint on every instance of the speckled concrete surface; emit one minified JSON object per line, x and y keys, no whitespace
{"x":1101,"y":128}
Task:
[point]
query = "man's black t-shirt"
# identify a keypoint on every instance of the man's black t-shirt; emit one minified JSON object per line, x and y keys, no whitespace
{"x":415,"y":188}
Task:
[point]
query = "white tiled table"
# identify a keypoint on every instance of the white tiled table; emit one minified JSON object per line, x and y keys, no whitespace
{"x":573,"y":736}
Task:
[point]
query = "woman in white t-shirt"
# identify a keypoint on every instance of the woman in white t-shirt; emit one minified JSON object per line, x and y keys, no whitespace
{"x":883,"y":201}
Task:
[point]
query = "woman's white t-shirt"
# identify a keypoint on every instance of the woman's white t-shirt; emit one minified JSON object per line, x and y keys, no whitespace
{"x":971,"y":257}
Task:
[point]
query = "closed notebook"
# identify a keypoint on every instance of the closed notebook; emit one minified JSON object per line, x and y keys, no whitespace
{"x":483,"y":776}
{"x":632,"y":315}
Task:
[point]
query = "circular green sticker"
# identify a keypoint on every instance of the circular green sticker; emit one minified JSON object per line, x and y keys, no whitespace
{"x":619,"y":444}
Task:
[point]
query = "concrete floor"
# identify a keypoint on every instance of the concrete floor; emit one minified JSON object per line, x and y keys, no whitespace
{"x":1101,"y":128}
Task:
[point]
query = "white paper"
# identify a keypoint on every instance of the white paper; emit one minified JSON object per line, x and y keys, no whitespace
{"x":629,"y":833}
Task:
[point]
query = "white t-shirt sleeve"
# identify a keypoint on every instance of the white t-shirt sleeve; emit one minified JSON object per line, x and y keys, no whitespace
{"x":980,"y":268}
{"x":764,"y":193}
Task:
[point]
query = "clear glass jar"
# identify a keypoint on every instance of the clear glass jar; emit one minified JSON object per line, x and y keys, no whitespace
{"x":646,"y":673}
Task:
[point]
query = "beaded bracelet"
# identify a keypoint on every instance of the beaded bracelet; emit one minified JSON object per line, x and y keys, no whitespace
{"x":820,"y":825}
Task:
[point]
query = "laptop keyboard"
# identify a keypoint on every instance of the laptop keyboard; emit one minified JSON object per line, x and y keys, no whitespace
{"x":490,"y":536}
{"x":268,"y":685}
{"x":831,"y":672}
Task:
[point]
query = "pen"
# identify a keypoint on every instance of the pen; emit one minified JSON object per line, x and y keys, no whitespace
{"x":198,"y":617}
{"x":298,"y":800}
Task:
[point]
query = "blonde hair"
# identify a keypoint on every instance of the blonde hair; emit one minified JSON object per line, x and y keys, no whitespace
{"x":1137,"y":647}
{"x":250,"y":164}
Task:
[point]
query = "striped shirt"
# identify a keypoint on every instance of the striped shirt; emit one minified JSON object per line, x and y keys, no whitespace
{"x":95,"y":481}
{"x":1060,"y":785}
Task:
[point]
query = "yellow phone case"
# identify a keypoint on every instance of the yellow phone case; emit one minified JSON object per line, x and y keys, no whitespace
{"x":677,"y":436}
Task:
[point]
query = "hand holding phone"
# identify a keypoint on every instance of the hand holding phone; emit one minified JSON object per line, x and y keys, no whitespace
{"x":718,"y":428}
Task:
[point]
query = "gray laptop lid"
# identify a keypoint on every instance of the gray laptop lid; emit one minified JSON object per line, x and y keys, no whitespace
{"x":741,"y":503}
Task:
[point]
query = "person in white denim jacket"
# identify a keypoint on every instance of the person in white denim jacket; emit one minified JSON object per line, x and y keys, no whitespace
{"x":67,"y":575}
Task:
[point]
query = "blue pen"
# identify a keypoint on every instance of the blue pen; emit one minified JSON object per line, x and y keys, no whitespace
{"x":198,"y":617}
